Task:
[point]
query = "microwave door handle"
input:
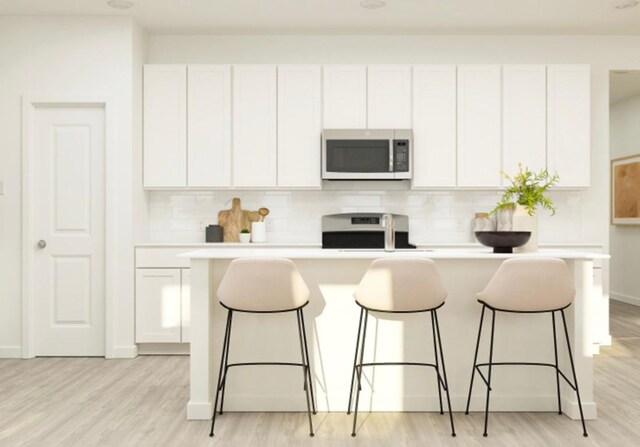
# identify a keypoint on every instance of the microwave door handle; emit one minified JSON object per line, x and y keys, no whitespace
{"x":391,"y":149}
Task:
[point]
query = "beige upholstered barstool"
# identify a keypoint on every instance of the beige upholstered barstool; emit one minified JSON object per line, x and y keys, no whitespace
{"x":264,"y":286}
{"x":400,"y":286}
{"x":528,"y":286}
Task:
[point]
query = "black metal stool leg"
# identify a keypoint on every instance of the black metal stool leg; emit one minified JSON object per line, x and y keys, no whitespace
{"x":355,"y":361}
{"x":444,"y":372}
{"x":222,"y":357}
{"x":226,"y":362}
{"x":306,"y":350}
{"x":555,"y":352}
{"x":306,"y":385}
{"x":475,"y":358}
{"x":435,"y":354}
{"x":573,"y":370}
{"x":364,"y":337}
{"x":486,"y":411}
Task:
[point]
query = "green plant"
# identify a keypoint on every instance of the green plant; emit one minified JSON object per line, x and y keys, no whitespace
{"x":245,"y":231}
{"x":528,"y":189}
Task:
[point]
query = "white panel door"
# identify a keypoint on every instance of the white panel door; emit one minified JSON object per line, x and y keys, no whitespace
{"x":209,"y":125}
{"x":185,"y":303}
{"x":434,"y":126}
{"x":254,"y":125}
{"x":299,"y":126}
{"x":479,"y":123}
{"x":158,"y":306}
{"x":524,"y":117}
{"x":389,"y":97}
{"x":165,"y":126}
{"x":569,"y":123}
{"x":345,"y":96}
{"x":69,"y":215}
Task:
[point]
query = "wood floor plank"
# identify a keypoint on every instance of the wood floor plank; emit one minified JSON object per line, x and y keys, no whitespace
{"x":141,"y":402}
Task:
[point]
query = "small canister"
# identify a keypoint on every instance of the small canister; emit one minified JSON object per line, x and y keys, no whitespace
{"x":483,"y":222}
{"x":213,"y":233}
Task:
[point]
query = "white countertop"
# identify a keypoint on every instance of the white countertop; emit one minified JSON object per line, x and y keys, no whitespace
{"x":319,"y":253}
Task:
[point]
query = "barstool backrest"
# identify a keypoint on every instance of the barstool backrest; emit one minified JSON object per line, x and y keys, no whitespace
{"x":401,"y":285}
{"x":263,"y":285}
{"x":530,"y":285}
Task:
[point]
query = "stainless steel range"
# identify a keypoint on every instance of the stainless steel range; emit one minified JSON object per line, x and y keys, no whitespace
{"x":362,"y":230}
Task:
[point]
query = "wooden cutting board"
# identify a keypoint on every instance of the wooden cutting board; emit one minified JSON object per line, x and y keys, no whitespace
{"x":236,"y":219}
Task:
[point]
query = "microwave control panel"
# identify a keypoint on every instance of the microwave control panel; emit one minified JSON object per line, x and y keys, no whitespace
{"x":401,"y":155}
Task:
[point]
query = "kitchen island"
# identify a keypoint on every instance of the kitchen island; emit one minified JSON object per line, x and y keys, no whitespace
{"x":332,"y":321}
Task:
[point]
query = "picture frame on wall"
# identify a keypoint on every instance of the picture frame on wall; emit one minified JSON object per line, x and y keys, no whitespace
{"x":625,"y":190}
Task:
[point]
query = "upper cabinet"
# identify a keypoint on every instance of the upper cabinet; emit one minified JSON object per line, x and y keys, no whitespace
{"x":389,"y":97}
{"x":165,"y":126}
{"x":345,"y":97}
{"x":299,"y":125}
{"x":209,"y":125}
{"x":434,"y":126}
{"x":479,"y":126}
{"x":524,"y":115}
{"x":568,"y":123}
{"x":254,"y":126}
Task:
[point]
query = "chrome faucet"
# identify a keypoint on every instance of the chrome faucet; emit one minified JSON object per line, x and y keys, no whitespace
{"x":389,"y":225}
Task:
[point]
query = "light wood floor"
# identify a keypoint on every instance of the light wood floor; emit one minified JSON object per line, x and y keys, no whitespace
{"x":141,"y":402}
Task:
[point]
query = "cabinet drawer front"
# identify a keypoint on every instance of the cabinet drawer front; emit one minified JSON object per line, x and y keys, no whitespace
{"x":159,"y":257}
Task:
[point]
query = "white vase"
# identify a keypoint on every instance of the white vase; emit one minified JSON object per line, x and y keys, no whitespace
{"x":522,"y":221}
{"x":258,"y":232}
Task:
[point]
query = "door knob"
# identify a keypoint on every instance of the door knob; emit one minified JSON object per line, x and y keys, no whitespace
{"x":42,"y":243}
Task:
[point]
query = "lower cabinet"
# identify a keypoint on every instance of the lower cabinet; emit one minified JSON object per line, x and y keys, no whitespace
{"x":162,"y":305}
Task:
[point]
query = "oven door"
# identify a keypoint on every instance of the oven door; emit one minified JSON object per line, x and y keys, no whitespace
{"x":357,"y":154}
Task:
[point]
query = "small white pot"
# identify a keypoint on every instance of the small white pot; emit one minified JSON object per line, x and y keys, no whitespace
{"x":522,"y":221}
{"x":245,"y":238}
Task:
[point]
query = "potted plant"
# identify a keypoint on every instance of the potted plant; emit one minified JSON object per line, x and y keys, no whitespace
{"x":527,"y":192}
{"x":245,"y":236}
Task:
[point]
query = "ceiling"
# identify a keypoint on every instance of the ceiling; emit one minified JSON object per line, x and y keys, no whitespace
{"x":347,"y":16}
{"x":623,"y":85}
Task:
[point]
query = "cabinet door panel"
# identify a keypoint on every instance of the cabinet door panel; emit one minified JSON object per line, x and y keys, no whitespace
{"x":185,"y":336}
{"x":165,"y":126}
{"x":254,"y":125}
{"x":345,"y":97}
{"x":209,"y":126}
{"x":479,"y":126}
{"x":299,"y":126}
{"x":158,"y":306}
{"x":434,"y":126}
{"x":389,"y":97}
{"x":524,"y":116}
{"x":569,"y":123}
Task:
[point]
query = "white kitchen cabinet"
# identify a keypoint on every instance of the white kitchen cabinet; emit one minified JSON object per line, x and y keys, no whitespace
{"x":568,"y":123}
{"x":434,"y":126}
{"x":185,"y":301}
{"x":209,"y":125}
{"x":254,"y":126}
{"x":389,"y":97}
{"x":299,"y":126}
{"x":165,"y":126}
{"x":345,"y":96}
{"x":524,"y":116}
{"x":479,"y":126}
{"x":158,"y":305}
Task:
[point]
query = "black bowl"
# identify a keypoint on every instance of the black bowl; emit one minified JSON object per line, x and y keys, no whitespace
{"x":503,"y":241}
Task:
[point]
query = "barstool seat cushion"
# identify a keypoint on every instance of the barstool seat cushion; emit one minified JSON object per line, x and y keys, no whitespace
{"x":401,"y":285}
{"x":530,"y":285}
{"x":263,"y":285}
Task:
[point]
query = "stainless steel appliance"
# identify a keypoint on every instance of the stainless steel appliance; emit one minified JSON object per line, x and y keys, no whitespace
{"x":364,"y":231}
{"x":366,"y":154}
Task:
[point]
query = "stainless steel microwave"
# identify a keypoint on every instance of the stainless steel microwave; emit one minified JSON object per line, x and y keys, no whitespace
{"x":366,"y":154}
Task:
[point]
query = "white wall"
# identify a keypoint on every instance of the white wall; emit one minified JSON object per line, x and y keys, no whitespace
{"x":58,"y":55}
{"x":625,"y":240}
{"x":601,"y":52}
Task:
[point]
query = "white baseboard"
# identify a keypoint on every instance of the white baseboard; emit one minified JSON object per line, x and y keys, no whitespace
{"x":125,"y":352}
{"x":10,"y":352}
{"x":163,"y":349}
{"x":625,"y":298}
{"x":197,"y":411}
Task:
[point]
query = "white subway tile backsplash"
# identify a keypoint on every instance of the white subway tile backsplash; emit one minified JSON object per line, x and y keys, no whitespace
{"x":295,"y":216}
